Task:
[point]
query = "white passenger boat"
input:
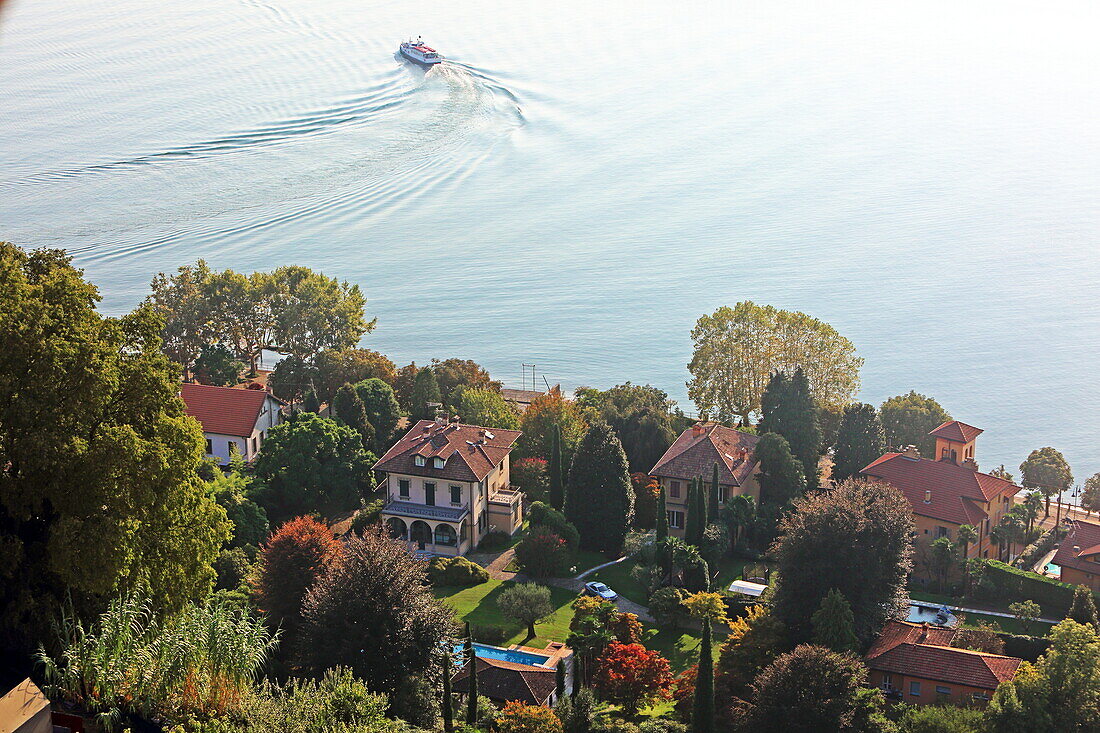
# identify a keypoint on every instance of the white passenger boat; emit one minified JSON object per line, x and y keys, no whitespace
{"x":420,"y":52}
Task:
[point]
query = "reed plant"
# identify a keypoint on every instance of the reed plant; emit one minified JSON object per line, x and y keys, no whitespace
{"x":131,"y":662}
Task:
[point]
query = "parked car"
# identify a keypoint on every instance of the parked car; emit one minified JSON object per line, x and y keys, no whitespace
{"x":599,"y":590}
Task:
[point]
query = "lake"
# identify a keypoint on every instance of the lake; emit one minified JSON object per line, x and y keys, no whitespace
{"x":580,"y":181}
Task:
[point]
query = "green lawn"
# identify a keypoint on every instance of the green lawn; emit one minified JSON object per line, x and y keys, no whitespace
{"x":618,"y":578}
{"x":478,"y":606}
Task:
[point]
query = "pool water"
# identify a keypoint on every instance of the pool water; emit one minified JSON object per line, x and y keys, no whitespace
{"x":927,"y":614}
{"x":1053,"y":569}
{"x":507,"y":655}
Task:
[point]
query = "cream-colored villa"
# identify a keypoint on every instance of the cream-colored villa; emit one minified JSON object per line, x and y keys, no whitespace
{"x":447,"y":486}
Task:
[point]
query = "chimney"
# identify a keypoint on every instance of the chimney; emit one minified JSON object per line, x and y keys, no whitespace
{"x":927,"y":497}
{"x":454,"y":420}
{"x":698,"y":429}
{"x":911,"y":452}
{"x":440,"y":417}
{"x":923,"y":632}
{"x":971,"y":464}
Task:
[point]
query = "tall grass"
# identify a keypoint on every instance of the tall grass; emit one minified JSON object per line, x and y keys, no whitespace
{"x":129,"y":661}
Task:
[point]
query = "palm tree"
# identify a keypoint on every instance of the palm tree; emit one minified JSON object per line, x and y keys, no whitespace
{"x":968,"y":535}
{"x":997,"y":534}
{"x":739,"y":511}
{"x":1032,"y":503}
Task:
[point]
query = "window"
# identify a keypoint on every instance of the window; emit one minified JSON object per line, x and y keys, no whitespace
{"x":209,"y":446}
{"x":429,"y":494}
{"x":445,"y":535}
{"x":403,"y":488}
{"x":887,"y":681}
{"x":481,"y":523}
{"x":456,"y":494}
{"x":674,"y":489}
{"x":723,"y":494}
{"x":437,"y":462}
{"x":942,"y":532}
{"x":984,"y":696}
{"x":419,"y":460}
{"x":941,"y":690}
{"x":914,"y":689}
{"x":675,"y":519}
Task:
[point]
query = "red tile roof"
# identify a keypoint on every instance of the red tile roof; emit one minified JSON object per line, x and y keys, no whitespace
{"x":699,"y":447}
{"x":957,"y":431}
{"x":918,"y":651}
{"x":1086,"y":536}
{"x":224,"y":410}
{"x":470,"y":452}
{"x":956,"y":490}
{"x":507,"y":681}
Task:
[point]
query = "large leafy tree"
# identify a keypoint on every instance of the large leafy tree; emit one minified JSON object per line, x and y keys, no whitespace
{"x":545,"y":414}
{"x":460,"y":374}
{"x":99,"y":489}
{"x":348,"y":410}
{"x":782,"y":697}
{"x":1046,"y":470}
{"x":859,"y":441}
{"x":599,"y":500}
{"x":631,"y":675}
{"x":217,"y":366}
{"x":311,"y":464}
{"x":754,"y":641}
{"x":374,"y":612}
{"x":181,"y":300}
{"x":788,"y":410}
{"x":382,"y":410}
{"x":231,"y":490}
{"x":292,"y":379}
{"x":337,"y":367}
{"x":854,"y":538}
{"x":287,"y":566}
{"x":781,"y":477}
{"x":907,"y":419}
{"x":737,"y":349}
{"x":314,"y":312}
{"x":485,"y":407}
{"x":527,"y":603}
{"x":641,"y":416}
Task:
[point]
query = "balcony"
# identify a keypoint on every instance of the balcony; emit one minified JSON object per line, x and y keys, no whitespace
{"x":397,"y":507}
{"x":508,"y":496}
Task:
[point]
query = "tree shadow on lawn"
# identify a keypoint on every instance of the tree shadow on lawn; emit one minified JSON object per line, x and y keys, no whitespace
{"x":485,"y":612}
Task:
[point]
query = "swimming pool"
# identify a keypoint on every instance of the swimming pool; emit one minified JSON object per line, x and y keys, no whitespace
{"x":919,"y":614}
{"x":507,"y":655}
{"x":1053,"y":569}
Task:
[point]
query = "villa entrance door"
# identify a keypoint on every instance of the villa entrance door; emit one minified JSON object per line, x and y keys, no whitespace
{"x":420,"y":533}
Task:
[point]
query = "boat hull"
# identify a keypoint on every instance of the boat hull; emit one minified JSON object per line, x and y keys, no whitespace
{"x":417,"y":60}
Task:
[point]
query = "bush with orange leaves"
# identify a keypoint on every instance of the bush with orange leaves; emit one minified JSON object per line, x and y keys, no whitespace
{"x":289,"y":563}
{"x":632,"y":675}
{"x":518,"y":717}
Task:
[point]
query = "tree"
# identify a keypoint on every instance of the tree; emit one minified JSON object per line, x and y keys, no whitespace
{"x":600,"y":502}
{"x":696,"y":520}
{"x":292,"y":378}
{"x":425,"y":395}
{"x":788,"y":409}
{"x":287,"y":566}
{"x":518,"y":717}
{"x":1026,"y":612}
{"x":470,"y":658}
{"x":1083,"y":608}
{"x":667,"y":603}
{"x":559,"y":679}
{"x":309,"y":464}
{"x":662,"y":518}
{"x":485,"y":407}
{"x":754,"y":641}
{"x":578,"y":713}
{"x":631,"y":675}
{"x":543,"y":553}
{"x":527,"y":603}
{"x":217,"y":366}
{"x":781,"y":477}
{"x":99,"y":484}
{"x":702,"y":712}
{"x":348,"y":409}
{"x":403,"y":385}
{"x":547,"y":413}
{"x":315,"y":313}
{"x":337,"y":367}
{"x":737,"y":349}
{"x":821,"y":547}
{"x":540,"y":514}
{"x":311,"y":403}
{"x":646,"y":490}
{"x":860,"y":441}
{"x":231,"y":490}
{"x":179,"y":299}
{"x":640,"y":415}
{"x":1046,"y":470}
{"x":1002,"y":473}
{"x":739,"y":512}
{"x":532,"y":475}
{"x":1060,"y":692}
{"x":834,"y":624}
{"x":781,"y":702}
{"x":943,"y":553}
{"x":908,"y":419}
{"x":462,"y":374}
{"x":941,"y":719}
{"x":382,"y":410}
{"x":557,"y":477}
{"x":1090,"y":496}
{"x":374,"y":612}
{"x":447,"y":705}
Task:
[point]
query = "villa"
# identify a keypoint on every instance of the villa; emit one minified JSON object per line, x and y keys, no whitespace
{"x":1078,"y":557}
{"x":447,"y":485}
{"x":949,"y":492}
{"x":232,"y":418}
{"x":694,"y":454}
{"x":916,"y":663}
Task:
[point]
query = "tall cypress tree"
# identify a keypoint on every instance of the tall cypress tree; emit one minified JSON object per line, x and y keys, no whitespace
{"x":788,"y":408}
{"x":348,"y":409}
{"x":860,"y":441}
{"x":425,"y":390}
{"x":693,"y":529}
{"x":559,"y":680}
{"x":471,"y":700}
{"x":712,"y":509}
{"x":702,"y":713}
{"x":557,"y":487}
{"x":448,"y":711}
{"x":600,"y":499}
{"x":662,"y":518}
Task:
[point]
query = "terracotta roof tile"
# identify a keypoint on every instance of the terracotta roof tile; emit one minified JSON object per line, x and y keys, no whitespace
{"x":470,"y":452}
{"x":224,"y":410}
{"x":902,"y":650}
{"x":1086,"y":536}
{"x":956,"y":431}
{"x":956,"y":490}
{"x":508,"y":681}
{"x":696,"y":451}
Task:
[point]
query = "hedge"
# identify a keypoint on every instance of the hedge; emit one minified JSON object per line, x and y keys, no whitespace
{"x":1027,"y":648}
{"x":1035,"y":551}
{"x":1003,"y":582}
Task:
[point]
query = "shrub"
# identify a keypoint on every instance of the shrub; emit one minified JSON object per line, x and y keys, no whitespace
{"x":715,"y":544}
{"x":232,"y":567}
{"x":518,"y":717}
{"x":544,"y":515}
{"x":1035,"y":551}
{"x":1028,"y":648}
{"x":493,"y":541}
{"x":667,"y":604}
{"x":543,"y":553}
{"x":456,"y":571}
{"x":371,"y":513}
{"x":487,"y":633}
{"x":662,"y":725}
{"x":999,"y":581}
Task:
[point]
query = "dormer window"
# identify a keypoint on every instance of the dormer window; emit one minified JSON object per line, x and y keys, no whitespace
{"x":419,"y":460}
{"x":437,"y":462}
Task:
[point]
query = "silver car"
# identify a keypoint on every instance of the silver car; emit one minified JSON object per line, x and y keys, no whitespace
{"x":600,"y":590}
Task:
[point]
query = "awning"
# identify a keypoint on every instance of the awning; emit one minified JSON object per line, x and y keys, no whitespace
{"x":746,"y":588}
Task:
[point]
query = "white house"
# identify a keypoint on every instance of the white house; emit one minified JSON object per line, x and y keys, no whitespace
{"x":232,"y":417}
{"x":447,"y":486}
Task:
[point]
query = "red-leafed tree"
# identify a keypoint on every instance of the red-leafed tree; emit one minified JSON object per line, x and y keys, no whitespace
{"x":289,"y":563}
{"x":632,"y":675}
{"x":518,"y":717}
{"x":683,"y":692}
{"x":543,"y":553}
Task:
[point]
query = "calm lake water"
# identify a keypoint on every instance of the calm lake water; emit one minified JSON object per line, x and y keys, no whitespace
{"x":580,"y":181}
